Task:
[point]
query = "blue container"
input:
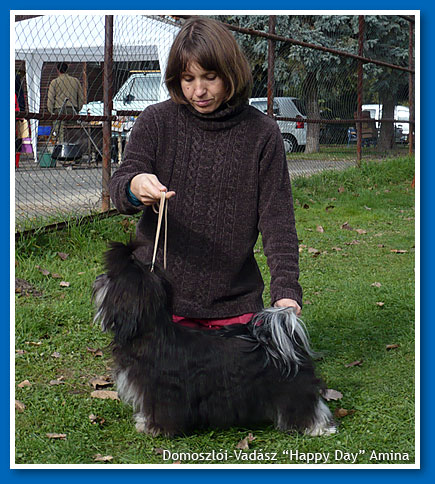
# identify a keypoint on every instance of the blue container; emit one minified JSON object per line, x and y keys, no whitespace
{"x":44,"y":130}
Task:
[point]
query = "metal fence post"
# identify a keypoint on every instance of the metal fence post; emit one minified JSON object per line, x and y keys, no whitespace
{"x":411,"y":88}
{"x":271,"y":66}
{"x":108,"y":103}
{"x":360,"y":88}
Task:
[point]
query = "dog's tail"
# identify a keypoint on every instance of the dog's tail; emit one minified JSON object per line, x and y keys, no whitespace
{"x":284,"y":337}
{"x":128,"y":297}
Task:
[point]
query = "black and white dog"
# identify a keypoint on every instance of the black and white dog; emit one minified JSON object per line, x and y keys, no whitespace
{"x":180,"y":379}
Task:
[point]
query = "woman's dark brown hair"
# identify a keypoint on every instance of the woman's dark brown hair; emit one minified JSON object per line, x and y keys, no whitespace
{"x":211,"y":45}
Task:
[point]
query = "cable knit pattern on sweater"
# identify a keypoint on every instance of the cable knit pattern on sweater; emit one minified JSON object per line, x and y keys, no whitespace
{"x":229,"y":172}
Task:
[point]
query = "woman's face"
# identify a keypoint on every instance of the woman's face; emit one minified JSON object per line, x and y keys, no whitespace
{"x":204,"y":90}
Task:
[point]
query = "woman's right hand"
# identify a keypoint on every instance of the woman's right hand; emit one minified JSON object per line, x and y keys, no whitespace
{"x":147,"y":188}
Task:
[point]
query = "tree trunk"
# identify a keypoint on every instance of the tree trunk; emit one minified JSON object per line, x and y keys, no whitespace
{"x":313,"y":112}
{"x":386,"y":137}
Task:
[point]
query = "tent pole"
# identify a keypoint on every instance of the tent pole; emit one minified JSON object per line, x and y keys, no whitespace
{"x":108,"y":104}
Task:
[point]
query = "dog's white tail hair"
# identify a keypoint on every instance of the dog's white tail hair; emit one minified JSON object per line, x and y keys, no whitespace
{"x":284,"y":337}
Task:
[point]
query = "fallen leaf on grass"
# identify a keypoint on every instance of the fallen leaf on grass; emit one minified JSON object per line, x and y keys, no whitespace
{"x":320,"y":229}
{"x":105,"y":394}
{"x":353,"y":242}
{"x":380,"y":304}
{"x":56,"y":436}
{"x":346,"y":226}
{"x":102,"y":458}
{"x":361,"y":231}
{"x":337,"y":248}
{"x":64,"y":284}
{"x":341,"y":190}
{"x":313,"y":251}
{"x":398,"y":251}
{"x":96,"y":352}
{"x":329,"y":208}
{"x":24,"y":288}
{"x":343,"y":412}
{"x":62,"y":255}
{"x":24,"y":383}
{"x":354,"y":363}
{"x":376,"y":284}
{"x":330,"y":394}
{"x":56,"y":354}
{"x":392,"y":347}
{"x":100,"y":382}
{"x":95,"y":419}
{"x":244,"y":443}
{"x":44,"y":272}
{"x":59,"y":381}
{"x":127,"y":223}
{"x":19,"y":406}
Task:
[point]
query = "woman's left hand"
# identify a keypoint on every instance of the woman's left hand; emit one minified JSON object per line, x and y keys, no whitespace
{"x":288,"y":303}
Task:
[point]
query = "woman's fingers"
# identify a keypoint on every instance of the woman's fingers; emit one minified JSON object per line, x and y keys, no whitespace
{"x":147,"y":188}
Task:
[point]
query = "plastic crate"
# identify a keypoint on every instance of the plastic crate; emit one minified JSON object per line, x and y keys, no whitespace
{"x":46,"y":161}
{"x":44,"y":130}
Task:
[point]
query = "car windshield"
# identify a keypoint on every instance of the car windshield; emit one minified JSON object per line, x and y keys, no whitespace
{"x":262,"y":106}
{"x":144,"y":88}
{"x":403,"y":116}
{"x":300,"y":106}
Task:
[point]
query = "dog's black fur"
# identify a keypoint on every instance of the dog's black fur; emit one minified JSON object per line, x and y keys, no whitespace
{"x":180,"y":379}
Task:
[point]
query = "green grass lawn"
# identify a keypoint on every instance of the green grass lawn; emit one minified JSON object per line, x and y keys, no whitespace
{"x":356,"y":231}
{"x":344,"y":152}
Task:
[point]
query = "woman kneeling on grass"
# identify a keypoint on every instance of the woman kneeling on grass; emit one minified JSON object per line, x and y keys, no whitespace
{"x":222,"y":164}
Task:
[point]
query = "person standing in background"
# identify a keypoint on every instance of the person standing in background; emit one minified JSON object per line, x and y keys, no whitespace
{"x":65,"y":96}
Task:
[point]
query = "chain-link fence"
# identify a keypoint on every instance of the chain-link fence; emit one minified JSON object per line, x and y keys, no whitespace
{"x":335,"y":83}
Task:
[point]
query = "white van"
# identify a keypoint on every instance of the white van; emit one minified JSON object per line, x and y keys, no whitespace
{"x":138,"y":91}
{"x":401,"y":113}
{"x":294,"y":133}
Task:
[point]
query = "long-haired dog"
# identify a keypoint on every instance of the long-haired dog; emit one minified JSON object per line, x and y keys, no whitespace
{"x":180,"y":379}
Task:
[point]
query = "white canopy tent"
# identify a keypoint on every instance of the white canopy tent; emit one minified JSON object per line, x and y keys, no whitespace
{"x":80,"y":38}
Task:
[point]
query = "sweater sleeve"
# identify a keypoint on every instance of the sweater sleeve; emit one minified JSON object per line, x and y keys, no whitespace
{"x":139,"y":157}
{"x":277,"y":221}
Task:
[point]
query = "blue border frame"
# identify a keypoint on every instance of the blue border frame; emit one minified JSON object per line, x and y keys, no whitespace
{"x":427,"y":332}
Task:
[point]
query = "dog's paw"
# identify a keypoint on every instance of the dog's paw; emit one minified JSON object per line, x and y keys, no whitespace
{"x":323,"y":422}
{"x":143,"y":425}
{"x":318,"y":431}
{"x":153,"y":430}
{"x":141,"y":422}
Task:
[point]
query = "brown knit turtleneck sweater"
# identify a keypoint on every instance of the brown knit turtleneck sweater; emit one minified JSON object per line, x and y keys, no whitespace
{"x":229,"y":172}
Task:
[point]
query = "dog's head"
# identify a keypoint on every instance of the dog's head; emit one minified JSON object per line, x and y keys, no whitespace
{"x":130,"y":300}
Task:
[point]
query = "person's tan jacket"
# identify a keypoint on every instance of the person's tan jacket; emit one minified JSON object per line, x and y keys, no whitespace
{"x":64,"y":87}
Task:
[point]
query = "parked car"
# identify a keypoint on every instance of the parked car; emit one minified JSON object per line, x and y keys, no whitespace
{"x":138,"y":91}
{"x":401,"y":113}
{"x":294,"y":133}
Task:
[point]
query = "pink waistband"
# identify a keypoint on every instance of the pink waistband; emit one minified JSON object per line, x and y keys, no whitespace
{"x":211,"y":323}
